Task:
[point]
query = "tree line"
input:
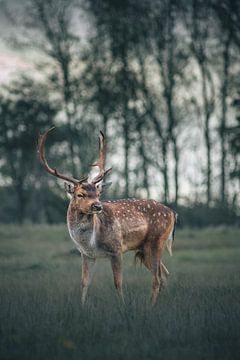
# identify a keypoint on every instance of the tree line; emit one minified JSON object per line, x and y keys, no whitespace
{"x":160,"y":78}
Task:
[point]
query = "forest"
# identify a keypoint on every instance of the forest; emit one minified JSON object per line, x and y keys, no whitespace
{"x":160,"y":78}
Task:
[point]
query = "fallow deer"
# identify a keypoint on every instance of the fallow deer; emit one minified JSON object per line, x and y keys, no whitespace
{"x":110,"y":228}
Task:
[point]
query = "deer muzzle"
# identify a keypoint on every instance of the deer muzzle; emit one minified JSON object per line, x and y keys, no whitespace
{"x":97,"y":207}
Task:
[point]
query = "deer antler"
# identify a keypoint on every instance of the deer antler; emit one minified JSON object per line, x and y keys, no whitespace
{"x":41,"y":152}
{"x":101,"y":160}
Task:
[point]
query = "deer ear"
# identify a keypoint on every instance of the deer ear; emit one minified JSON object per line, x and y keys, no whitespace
{"x":103,"y":186}
{"x":69,"y":189}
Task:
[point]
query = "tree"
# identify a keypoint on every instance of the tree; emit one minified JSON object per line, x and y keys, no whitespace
{"x":197,"y":22}
{"x":52,"y":20}
{"x":227,"y":13}
{"x":115,"y":21}
{"x":171,"y":56}
{"x":234,"y":141}
{"x":25,"y":111}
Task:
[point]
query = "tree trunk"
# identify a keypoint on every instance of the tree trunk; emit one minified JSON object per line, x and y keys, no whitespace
{"x":207,"y":138}
{"x":126,"y":155}
{"x":176,"y":168}
{"x":222,"y":130}
{"x":144,"y":158}
{"x":165,"y":171}
{"x":164,"y":139}
{"x":20,"y":201}
{"x":125,"y":113}
{"x":67,"y":97}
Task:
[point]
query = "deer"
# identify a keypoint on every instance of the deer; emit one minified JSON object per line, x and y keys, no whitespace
{"x":110,"y":228}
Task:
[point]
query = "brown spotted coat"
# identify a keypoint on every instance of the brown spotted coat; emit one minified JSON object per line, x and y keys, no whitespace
{"x":145,"y":226}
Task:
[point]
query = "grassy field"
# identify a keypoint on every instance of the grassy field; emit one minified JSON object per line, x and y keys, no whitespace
{"x":197,"y":316}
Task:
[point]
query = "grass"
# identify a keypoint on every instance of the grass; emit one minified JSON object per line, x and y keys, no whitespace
{"x":196,"y":317}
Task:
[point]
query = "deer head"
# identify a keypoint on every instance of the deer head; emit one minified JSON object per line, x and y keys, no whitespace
{"x":85,"y":195}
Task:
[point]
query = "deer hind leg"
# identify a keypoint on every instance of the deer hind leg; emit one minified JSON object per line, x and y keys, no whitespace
{"x":151,"y":258}
{"x":87,"y":269}
{"x":164,"y":274}
{"x":156,"y":279}
{"x":116,"y":263}
{"x":164,"y":269}
{"x":147,"y":262}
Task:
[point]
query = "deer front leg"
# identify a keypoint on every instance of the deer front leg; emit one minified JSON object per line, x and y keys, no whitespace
{"x":87,"y":268}
{"x":116,"y":263}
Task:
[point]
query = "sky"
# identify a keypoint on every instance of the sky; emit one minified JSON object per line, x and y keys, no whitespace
{"x":11,"y":60}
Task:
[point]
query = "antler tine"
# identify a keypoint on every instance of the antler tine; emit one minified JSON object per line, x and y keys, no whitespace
{"x":101,"y":160}
{"x":41,"y":152}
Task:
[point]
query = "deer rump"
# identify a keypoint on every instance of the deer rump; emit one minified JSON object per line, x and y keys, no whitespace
{"x":144,"y":253}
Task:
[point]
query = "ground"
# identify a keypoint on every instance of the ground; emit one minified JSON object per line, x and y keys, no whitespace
{"x":196,"y":316}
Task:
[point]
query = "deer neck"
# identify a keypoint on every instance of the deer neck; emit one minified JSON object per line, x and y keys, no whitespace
{"x":80,"y":221}
{"x":83,"y":229}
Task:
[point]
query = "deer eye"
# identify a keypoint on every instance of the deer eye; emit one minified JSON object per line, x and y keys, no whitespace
{"x":80,"y":195}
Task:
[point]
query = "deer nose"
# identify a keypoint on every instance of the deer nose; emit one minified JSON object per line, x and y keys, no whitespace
{"x":97,"y":207}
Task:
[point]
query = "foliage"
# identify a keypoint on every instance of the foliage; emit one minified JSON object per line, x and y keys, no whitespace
{"x":157,"y":77}
{"x":200,"y":215}
{"x":24,"y":112}
{"x":234,"y":140}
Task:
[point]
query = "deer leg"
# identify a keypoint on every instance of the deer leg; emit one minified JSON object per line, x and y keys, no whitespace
{"x":158,"y":269}
{"x":87,"y":268}
{"x":164,"y":274}
{"x":156,"y":279}
{"x":116,"y":263}
{"x":164,"y":269}
{"x":152,"y":260}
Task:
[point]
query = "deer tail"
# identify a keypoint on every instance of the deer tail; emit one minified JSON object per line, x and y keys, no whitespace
{"x":175,"y":224}
{"x":171,"y":237}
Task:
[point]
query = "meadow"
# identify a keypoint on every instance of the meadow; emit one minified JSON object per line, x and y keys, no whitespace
{"x":197,"y":315}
